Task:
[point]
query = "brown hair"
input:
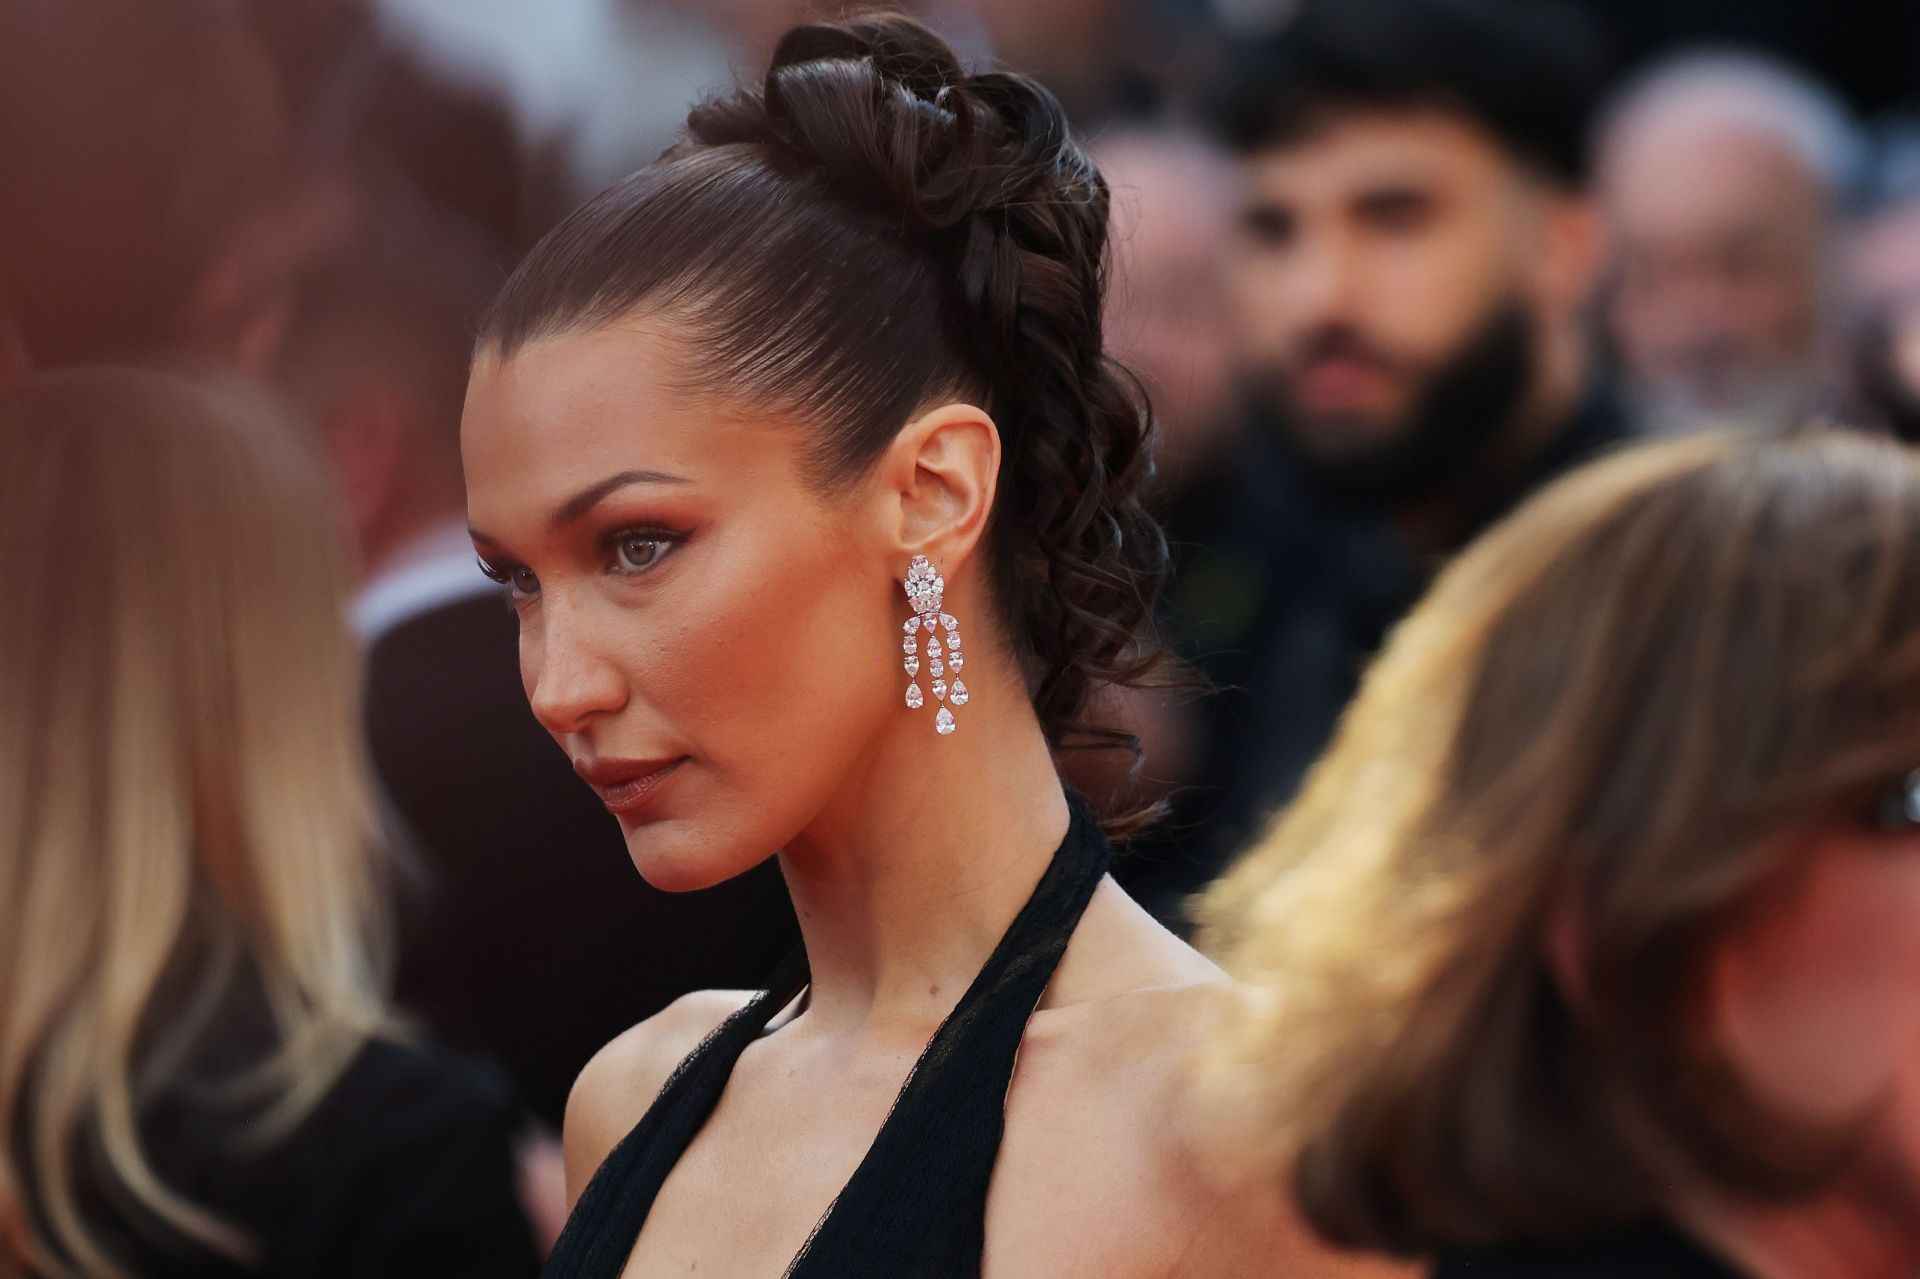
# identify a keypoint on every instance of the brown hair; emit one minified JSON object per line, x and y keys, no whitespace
{"x":868,"y":230}
{"x":1627,"y":701}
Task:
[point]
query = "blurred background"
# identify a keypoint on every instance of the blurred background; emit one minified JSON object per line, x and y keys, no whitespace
{"x":1718,"y":221}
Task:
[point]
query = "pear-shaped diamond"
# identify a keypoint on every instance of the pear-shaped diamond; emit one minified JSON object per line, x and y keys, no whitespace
{"x":933,"y":648}
{"x":940,"y":689}
{"x":949,"y":621}
{"x":913,"y":666}
{"x":943,"y":722}
{"x":914,"y":698}
{"x":913,"y":624}
{"x":929,"y":621}
{"x":957,"y":694}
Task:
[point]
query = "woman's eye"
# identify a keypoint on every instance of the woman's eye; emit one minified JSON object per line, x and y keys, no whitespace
{"x":636,"y":552}
{"x":520,"y":582}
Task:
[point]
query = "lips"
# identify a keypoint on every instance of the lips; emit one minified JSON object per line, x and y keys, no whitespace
{"x":1339,"y":382}
{"x":626,"y":786}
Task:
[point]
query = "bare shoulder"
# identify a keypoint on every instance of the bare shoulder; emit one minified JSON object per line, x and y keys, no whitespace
{"x":1130,"y":1008}
{"x":615,"y":1088}
{"x":1252,"y":1228}
{"x":1118,"y":947}
{"x":1242,"y":1219}
{"x":1113,"y":1054}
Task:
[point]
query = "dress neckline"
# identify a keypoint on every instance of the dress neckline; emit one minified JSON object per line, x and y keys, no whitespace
{"x":914,"y":1207}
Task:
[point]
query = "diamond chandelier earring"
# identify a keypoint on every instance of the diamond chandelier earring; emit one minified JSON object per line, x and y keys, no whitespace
{"x":925,"y":587}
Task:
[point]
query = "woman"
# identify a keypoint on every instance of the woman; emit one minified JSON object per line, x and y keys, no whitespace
{"x":1589,"y":948}
{"x":196,"y":1072}
{"x":817,"y":499}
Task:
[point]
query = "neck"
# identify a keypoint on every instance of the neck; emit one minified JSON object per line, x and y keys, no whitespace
{"x":1439,"y":522}
{"x":907,"y":879}
{"x":1861,"y":1230}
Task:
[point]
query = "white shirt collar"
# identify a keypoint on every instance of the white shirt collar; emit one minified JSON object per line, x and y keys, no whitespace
{"x":433,"y":568}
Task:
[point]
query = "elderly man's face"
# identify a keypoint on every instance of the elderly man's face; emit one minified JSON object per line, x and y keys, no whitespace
{"x":1722,"y":238}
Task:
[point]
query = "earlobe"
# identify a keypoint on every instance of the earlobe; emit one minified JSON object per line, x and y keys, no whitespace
{"x":944,"y":467}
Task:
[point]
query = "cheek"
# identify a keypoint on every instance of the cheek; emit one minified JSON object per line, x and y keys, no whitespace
{"x":754,"y":668}
{"x":1777,"y":316}
{"x":1819,"y":1004}
{"x":772,"y":670}
{"x":1256,"y":301}
{"x":1423,"y":299}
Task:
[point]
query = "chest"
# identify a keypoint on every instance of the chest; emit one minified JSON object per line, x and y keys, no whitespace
{"x":1078,"y":1187}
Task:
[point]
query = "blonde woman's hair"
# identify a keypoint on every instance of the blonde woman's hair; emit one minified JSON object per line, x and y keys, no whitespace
{"x":182,"y":799}
{"x":1623,"y":708}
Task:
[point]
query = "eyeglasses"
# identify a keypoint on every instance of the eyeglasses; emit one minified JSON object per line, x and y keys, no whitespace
{"x":1899,"y":809}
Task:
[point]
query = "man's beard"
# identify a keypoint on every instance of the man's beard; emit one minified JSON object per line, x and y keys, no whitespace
{"x":1464,"y":405}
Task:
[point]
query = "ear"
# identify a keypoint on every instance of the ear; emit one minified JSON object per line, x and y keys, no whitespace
{"x":1574,"y":252}
{"x":940,"y":474}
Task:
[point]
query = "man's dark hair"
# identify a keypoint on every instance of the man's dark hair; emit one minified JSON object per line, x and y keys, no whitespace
{"x":1528,"y":72}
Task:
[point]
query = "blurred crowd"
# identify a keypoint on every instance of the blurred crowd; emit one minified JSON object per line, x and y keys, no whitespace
{"x":1385,"y":274}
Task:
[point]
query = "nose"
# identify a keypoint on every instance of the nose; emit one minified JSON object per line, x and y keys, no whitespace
{"x":568,"y":679}
{"x":1321,"y":279}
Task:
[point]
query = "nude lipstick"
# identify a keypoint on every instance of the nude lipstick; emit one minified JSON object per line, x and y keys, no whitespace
{"x":626,"y":786}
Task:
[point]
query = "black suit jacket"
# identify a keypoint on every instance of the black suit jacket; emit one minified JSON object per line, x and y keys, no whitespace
{"x":527,"y":935}
{"x":405,"y":1170}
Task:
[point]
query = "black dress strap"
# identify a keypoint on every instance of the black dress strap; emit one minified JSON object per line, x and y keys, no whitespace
{"x":915,"y":1208}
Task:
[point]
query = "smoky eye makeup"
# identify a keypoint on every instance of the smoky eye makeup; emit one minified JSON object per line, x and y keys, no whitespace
{"x":517,"y":578}
{"x":625,"y":550}
{"x":635,"y":549}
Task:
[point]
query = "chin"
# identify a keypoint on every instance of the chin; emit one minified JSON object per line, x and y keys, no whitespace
{"x":676,"y":859}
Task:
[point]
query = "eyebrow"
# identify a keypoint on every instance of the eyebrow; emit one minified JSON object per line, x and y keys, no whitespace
{"x":586,"y":499}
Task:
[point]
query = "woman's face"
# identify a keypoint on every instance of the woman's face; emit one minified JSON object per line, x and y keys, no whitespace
{"x":714,"y":644}
{"x":1817,"y":993}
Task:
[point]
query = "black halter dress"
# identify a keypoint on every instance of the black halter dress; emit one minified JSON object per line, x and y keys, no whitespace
{"x":915,"y":1208}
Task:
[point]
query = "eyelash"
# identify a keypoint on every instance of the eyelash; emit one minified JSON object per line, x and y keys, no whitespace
{"x":666,"y":540}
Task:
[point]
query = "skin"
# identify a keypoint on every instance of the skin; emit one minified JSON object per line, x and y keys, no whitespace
{"x":1723,"y":236}
{"x":754,"y":636}
{"x":1818,"y":996}
{"x":1406,"y":231}
{"x":1815,"y":998}
{"x":1167,"y":314}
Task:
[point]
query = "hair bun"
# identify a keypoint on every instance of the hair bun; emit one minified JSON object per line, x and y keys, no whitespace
{"x":883,"y":108}
{"x":900,"y":51}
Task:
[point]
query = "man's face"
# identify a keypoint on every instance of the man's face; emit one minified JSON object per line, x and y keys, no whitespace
{"x":1721,"y":238}
{"x":1372,"y":257}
